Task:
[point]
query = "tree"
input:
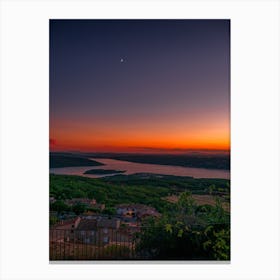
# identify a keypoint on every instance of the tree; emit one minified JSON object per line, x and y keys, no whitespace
{"x":186,"y":204}
{"x":109,"y":211}
{"x":79,"y":208}
{"x":59,"y":206}
{"x":53,"y":220}
{"x":217,"y":242}
{"x":211,"y":188}
{"x":189,"y":232}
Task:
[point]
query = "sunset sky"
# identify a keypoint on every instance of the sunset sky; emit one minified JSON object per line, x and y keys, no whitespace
{"x":139,"y":85}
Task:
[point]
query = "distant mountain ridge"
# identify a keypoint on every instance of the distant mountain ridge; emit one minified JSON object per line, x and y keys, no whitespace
{"x":59,"y":160}
{"x":215,"y":161}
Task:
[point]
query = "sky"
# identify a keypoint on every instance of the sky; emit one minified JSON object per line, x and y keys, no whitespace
{"x":139,"y":85}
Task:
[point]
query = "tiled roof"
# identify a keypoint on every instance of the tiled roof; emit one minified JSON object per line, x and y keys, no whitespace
{"x":108,"y":223}
{"x":87,"y":224}
{"x":98,"y":222}
{"x":67,"y":224}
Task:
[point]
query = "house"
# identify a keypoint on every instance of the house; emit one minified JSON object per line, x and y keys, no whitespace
{"x":129,"y":221}
{"x":63,"y":231}
{"x":136,"y":210}
{"x":126,"y":210}
{"x":97,"y":230}
{"x":68,"y":224}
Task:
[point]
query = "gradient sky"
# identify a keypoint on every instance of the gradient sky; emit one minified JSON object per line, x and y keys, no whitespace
{"x":139,"y":85}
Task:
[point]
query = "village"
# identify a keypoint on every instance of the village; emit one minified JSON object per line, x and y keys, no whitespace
{"x":135,"y":218}
{"x":96,"y":231}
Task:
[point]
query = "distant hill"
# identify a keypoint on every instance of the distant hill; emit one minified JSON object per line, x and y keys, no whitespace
{"x":59,"y":160}
{"x":195,"y":161}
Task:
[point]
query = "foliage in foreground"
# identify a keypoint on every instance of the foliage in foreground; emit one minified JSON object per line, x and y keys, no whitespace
{"x":187,"y":233}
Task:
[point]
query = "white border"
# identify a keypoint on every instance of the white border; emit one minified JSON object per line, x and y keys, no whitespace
{"x":254,"y":130}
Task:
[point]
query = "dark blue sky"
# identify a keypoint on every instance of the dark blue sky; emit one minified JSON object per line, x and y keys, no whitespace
{"x":127,"y":73}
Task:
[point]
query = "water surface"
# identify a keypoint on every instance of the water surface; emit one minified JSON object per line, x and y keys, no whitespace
{"x":133,"y":167}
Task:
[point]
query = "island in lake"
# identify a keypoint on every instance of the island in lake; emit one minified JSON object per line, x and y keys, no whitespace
{"x":103,"y":171}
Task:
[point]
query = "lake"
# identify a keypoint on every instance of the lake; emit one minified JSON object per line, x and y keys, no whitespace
{"x":132,"y":167}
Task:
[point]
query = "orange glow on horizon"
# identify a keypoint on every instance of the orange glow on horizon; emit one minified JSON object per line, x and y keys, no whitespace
{"x":173,"y":135}
{"x":137,"y":145}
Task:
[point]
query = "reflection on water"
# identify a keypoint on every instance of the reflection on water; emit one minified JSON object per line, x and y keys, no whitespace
{"x":132,"y":167}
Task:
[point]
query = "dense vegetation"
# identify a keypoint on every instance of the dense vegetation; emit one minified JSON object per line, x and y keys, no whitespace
{"x":103,"y":171}
{"x":67,"y":160}
{"x":187,"y":231}
{"x":174,"y":184}
{"x":63,"y":187}
{"x":137,"y":188}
